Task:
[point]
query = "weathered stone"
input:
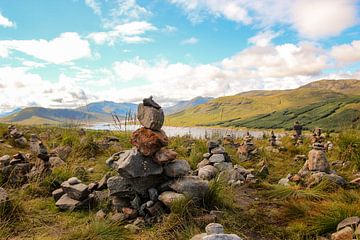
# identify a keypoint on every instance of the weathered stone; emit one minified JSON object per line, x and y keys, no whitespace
{"x":128,"y":187}
{"x":21,"y":142}
{"x":317,"y":161}
{"x":150,"y":117}
{"x":148,"y":141}
{"x":223,"y":166}
{"x":206,"y":155}
{"x":73,"y":181}
{"x":153,"y":194}
{"x":217,"y":158}
{"x":222,"y":236}
{"x":191,"y":186}
{"x":250,"y":177}
{"x":136,"y":203}
{"x":211,"y":144}
{"x":62,"y":152}
{"x":56,"y":162}
{"x":5,"y":160}
{"x":117,"y":217}
{"x":177,"y":168}
{"x":67,"y":203}
{"x":203,"y":163}
{"x":164,"y":155}
{"x":350,"y":221}
{"x":90,"y":170}
{"x":57,"y":194}
{"x":77,"y":191}
{"x":218,"y":150}
{"x":214,"y":228}
{"x":207,"y":172}
{"x":93,"y":186}
{"x":167,"y":198}
{"x":134,"y":165}
{"x":344,"y":234}
{"x":284,"y":182}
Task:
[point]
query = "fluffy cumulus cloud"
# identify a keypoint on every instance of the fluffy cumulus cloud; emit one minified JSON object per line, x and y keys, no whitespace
{"x":263,"y":38}
{"x":131,"y":32}
{"x":311,"y":19}
{"x":5,"y":22}
{"x":347,"y":53}
{"x":94,"y":5}
{"x":63,"y":49}
{"x":19,"y":87}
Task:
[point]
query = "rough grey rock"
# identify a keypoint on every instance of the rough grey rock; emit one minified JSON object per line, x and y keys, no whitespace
{"x":67,"y":203}
{"x":103,"y":182}
{"x":57,"y":194}
{"x":217,"y":158}
{"x":167,"y":198}
{"x":5,"y":160}
{"x":153,"y":194}
{"x":56,"y":162}
{"x":218,"y":150}
{"x":21,"y":142}
{"x":214,"y":228}
{"x":133,"y":164}
{"x":136,"y":202}
{"x":317,"y":161}
{"x":350,"y":221}
{"x":177,"y":168}
{"x":206,"y":155}
{"x":77,"y":191}
{"x":343,"y":234}
{"x":284,"y":182}
{"x":207,"y":172}
{"x":73,"y":180}
{"x":198,"y":236}
{"x":150,"y":117}
{"x":128,"y":187}
{"x":223,"y":166}
{"x":164,"y":156}
{"x":211,"y":144}
{"x":203,"y":163}
{"x":191,"y":186}
{"x":118,"y":203}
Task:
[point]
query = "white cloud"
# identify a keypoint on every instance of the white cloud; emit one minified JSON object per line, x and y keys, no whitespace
{"x":94,"y":5}
{"x":169,"y":29}
{"x":323,"y":18}
{"x":5,"y":22}
{"x":347,"y":53}
{"x":311,"y":19}
{"x":190,"y":41}
{"x":63,"y":49}
{"x":263,"y":38}
{"x":128,"y":32}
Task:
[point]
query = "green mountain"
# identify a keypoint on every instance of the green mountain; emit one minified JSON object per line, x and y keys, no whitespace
{"x":327,"y":103}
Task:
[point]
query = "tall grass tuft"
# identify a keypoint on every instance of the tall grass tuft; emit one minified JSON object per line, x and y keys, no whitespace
{"x":288,"y":193}
{"x":349,"y":146}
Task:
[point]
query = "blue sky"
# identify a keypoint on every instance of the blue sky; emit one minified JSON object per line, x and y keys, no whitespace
{"x":70,"y":52}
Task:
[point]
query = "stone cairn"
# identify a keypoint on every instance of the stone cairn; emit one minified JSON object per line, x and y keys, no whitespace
{"x":150,"y":178}
{"x":297,"y":137}
{"x":349,"y":228}
{"x":247,"y":150}
{"x":17,"y":136}
{"x":16,"y":169}
{"x":316,"y":168}
{"x":217,"y":162}
{"x":215,"y":231}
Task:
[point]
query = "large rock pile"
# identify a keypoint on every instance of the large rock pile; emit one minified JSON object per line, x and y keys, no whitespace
{"x":16,"y":136}
{"x":150,"y":176}
{"x":217,"y":162}
{"x":316,"y":169}
{"x":15,"y":170}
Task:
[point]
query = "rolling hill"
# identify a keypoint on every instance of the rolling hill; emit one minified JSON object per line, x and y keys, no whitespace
{"x":326,"y":103}
{"x":108,"y":107}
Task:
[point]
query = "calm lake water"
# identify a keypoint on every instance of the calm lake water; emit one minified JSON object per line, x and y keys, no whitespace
{"x":195,"y":132}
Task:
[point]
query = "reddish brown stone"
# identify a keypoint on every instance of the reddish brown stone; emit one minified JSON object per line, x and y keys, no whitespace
{"x":164,"y":156}
{"x":129,"y":213}
{"x":147,"y":141}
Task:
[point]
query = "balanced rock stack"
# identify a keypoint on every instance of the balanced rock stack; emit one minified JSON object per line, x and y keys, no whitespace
{"x":149,"y":174}
{"x":217,"y":162}
{"x":247,"y":150}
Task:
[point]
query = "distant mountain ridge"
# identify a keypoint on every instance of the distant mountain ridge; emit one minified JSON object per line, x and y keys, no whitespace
{"x":182,"y":105}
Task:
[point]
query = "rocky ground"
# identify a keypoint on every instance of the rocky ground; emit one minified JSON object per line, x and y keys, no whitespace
{"x":56,"y":185}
